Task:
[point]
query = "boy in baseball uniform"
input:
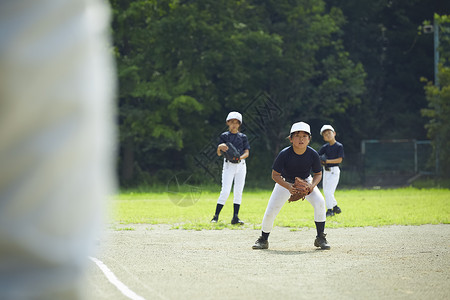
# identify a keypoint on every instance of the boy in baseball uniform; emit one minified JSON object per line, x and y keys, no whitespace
{"x":297,"y":160}
{"x":232,"y":170}
{"x":331,"y":155}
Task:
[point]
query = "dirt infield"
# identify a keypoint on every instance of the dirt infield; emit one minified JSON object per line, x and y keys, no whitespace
{"x":395,"y":262}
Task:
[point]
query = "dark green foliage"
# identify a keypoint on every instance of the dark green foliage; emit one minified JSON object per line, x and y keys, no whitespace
{"x":438,"y":96}
{"x":438,"y":113}
{"x":183,"y":65}
{"x":382,"y":35}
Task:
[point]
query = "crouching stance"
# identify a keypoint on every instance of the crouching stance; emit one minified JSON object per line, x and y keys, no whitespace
{"x":297,"y":160}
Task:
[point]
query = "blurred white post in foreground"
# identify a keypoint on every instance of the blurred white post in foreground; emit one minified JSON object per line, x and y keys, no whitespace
{"x":57,"y":143}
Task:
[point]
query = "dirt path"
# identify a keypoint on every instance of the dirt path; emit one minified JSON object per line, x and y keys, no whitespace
{"x":396,"y":262}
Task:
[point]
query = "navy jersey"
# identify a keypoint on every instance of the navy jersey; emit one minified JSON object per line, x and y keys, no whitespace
{"x":239,"y":140}
{"x":332,"y":152}
{"x":290,"y":165}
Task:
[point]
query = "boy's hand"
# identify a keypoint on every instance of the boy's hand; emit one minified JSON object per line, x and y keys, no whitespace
{"x":223,"y":147}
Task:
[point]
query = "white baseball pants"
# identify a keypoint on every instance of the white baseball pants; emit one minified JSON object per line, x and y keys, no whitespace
{"x":280,"y":195}
{"x":330,"y":183}
{"x":232,"y":172}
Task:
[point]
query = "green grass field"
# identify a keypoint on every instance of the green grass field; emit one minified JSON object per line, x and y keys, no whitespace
{"x":194,"y":208}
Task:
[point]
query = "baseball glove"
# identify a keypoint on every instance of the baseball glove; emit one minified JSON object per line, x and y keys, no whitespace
{"x":323,"y":159}
{"x":232,"y":154}
{"x":301,"y":188}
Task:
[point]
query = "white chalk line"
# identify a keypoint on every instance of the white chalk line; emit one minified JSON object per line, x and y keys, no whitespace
{"x":115,"y":281}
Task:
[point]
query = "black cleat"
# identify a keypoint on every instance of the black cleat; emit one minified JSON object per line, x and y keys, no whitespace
{"x":215,"y":219}
{"x":330,"y":213}
{"x":321,"y":242}
{"x":261,"y":243}
{"x":337,"y":210}
{"x":236,"y":221}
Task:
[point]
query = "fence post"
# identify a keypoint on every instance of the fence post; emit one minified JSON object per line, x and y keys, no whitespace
{"x":363,"y":162}
{"x":415,"y":158}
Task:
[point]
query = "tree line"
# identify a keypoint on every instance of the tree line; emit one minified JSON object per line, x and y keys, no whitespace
{"x":183,"y":65}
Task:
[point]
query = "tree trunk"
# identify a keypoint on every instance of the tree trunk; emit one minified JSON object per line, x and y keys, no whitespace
{"x":127,"y":173}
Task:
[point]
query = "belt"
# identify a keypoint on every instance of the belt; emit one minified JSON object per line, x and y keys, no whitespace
{"x":292,"y":181}
{"x":327,"y":168}
{"x":233,"y":162}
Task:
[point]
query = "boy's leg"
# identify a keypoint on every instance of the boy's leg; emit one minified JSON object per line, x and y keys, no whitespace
{"x":279,"y":196}
{"x":277,"y":199}
{"x":330,"y":182}
{"x":239,"y":182}
{"x":216,"y":214}
{"x":318,"y":202}
{"x":227,"y":181}
{"x":327,"y":191}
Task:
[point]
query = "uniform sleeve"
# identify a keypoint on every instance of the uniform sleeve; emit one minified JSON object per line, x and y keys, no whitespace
{"x":245,"y":142}
{"x":322,"y":149}
{"x":278,"y":163}
{"x":316,"y":166}
{"x":341,"y":151}
{"x":222,"y":139}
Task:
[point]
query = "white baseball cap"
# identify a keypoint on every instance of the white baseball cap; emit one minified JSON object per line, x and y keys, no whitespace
{"x":300,"y":126}
{"x":326,"y":127}
{"x":234,"y":115}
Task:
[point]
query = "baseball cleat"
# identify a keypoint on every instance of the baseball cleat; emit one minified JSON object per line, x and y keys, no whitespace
{"x":215,"y":219}
{"x":237,"y":221}
{"x":261,"y":243}
{"x":321,"y":242}
{"x":330,"y":213}
{"x":337,"y":210}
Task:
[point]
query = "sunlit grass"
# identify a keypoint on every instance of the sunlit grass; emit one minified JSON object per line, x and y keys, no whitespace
{"x":194,"y":208}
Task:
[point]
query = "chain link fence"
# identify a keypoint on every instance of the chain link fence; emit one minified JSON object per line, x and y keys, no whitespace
{"x":395,"y":162}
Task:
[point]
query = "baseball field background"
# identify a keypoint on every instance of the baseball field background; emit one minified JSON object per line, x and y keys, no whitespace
{"x":366,"y":67}
{"x":160,"y":245}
